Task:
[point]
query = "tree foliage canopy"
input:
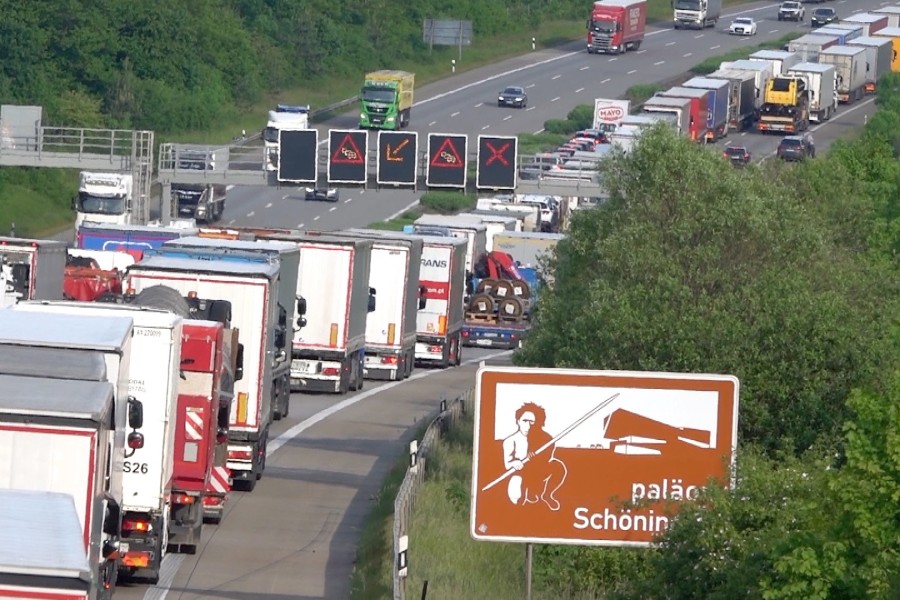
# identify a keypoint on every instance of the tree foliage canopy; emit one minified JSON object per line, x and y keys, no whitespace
{"x":171,"y":65}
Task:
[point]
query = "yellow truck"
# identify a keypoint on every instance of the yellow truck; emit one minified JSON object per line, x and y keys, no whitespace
{"x":386,"y":100}
{"x":786,"y":106}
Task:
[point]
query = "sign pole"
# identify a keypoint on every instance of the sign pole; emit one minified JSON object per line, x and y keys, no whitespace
{"x":529,"y":558}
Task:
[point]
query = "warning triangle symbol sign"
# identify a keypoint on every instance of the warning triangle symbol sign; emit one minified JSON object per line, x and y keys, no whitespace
{"x":347,"y":153}
{"x":447,"y":156}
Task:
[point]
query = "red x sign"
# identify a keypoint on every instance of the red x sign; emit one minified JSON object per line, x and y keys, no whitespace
{"x":497,"y":154}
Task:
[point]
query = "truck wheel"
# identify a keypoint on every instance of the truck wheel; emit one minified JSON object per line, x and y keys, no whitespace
{"x":286,"y":390}
{"x":459,"y":349}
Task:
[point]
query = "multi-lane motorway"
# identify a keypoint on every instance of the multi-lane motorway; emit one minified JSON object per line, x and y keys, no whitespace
{"x":295,"y":536}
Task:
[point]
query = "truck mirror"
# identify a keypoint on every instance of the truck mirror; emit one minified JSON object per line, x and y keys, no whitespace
{"x":239,"y":370}
{"x":301,"y":305}
{"x":135,"y":413}
{"x":423,"y":300}
{"x":371,"y":299}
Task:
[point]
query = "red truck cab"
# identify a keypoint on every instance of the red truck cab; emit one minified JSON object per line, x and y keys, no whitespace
{"x":616,"y":26}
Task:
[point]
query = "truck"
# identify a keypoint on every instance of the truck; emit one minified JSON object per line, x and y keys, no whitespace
{"x":386,"y":100}
{"x":133,"y":239}
{"x":328,"y":355}
{"x":442,"y":274}
{"x":390,"y":349}
{"x":871,"y":22}
{"x":55,"y":438}
{"x":203,"y":203}
{"x":717,"y":122}
{"x":702,"y":124}
{"x":820,"y":79}
{"x":529,"y":215}
{"x":893,"y":34}
{"x":741,"y":97}
{"x":616,"y":26}
{"x":879,"y":52}
{"x":495,"y":222}
{"x":762,"y":72}
{"x":38,"y":561}
{"x":287,"y":117}
{"x":843,"y":32}
{"x":527,"y":248}
{"x":470,"y":229}
{"x":891,"y":12}
{"x":147,"y":479}
{"x":850,"y":71}
{"x":681,"y":108}
{"x":104,"y":198}
{"x":35,"y":268}
{"x":781,"y":60}
{"x":786,"y":107}
{"x":696,"y":14}
{"x":808,"y":46}
{"x":251,"y":288}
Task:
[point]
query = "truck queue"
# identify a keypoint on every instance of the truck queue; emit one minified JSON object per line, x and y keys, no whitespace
{"x":141,"y":372}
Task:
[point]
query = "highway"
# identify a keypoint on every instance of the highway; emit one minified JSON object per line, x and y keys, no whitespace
{"x":295,"y":536}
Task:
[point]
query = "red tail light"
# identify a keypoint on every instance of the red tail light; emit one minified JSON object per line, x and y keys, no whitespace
{"x":240,"y":455}
{"x":183,"y":499}
{"x":465,"y":333}
{"x":332,"y":371}
{"x":135,"y":525}
{"x":389,"y":360}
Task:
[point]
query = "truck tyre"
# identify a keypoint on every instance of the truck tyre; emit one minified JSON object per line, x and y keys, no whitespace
{"x":459,"y":349}
{"x":220,"y":311}
{"x":286,"y":390}
{"x":164,"y":298}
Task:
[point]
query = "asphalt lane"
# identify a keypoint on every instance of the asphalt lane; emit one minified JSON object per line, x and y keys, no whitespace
{"x":556,"y":80}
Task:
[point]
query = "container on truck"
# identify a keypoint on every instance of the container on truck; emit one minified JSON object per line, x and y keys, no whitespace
{"x":85,"y":281}
{"x":780,"y":59}
{"x":386,"y":100}
{"x":850,"y":71}
{"x":891,"y":12}
{"x":498,"y":314}
{"x":820,"y":79}
{"x":646,"y":120}
{"x":702,"y":122}
{"x":328,"y":354}
{"x":741,"y":97}
{"x":35,"y":268}
{"x":808,"y":46}
{"x":530,"y":215}
{"x":680,"y":107}
{"x":879,"y":52}
{"x":510,"y":221}
{"x":893,"y":34}
{"x":696,"y":14}
{"x":55,"y":437}
{"x":287,"y":256}
{"x":133,"y":239}
{"x":104,"y":198}
{"x":786,"y":106}
{"x":251,"y":286}
{"x":843,"y":33}
{"x":496,"y":223}
{"x":871,"y":22}
{"x":624,"y":138}
{"x":152,"y":378}
{"x":470,"y":229}
{"x":717,"y":123}
{"x":762,"y":73}
{"x":284,"y":117}
{"x":616,"y":26}
{"x":391,"y":327}
{"x":40,"y":561}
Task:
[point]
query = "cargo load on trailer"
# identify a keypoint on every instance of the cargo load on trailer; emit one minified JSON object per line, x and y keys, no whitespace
{"x":84,"y":280}
{"x":786,"y":107}
{"x":616,"y":26}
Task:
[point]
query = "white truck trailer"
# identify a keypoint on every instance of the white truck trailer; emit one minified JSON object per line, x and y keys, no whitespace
{"x":252,"y":288}
{"x":391,"y":327}
{"x":879,"y":54}
{"x":289,"y":302}
{"x":36,"y":268}
{"x":850,"y":71}
{"x":153,"y":378}
{"x":472,"y":229}
{"x":823,"y":101}
{"x":55,"y":437}
{"x":42,"y":554}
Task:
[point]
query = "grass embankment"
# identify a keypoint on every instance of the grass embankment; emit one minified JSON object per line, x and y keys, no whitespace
{"x":441,"y":203}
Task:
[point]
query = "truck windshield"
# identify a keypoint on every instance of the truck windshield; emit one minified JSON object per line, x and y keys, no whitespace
{"x":101,"y":205}
{"x":270,"y":134}
{"x":378,"y":94}
{"x":603,"y":26}
{"x":687,"y":5}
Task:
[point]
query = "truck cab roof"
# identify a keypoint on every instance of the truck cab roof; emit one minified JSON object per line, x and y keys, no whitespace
{"x":55,"y":330}
{"x":59,"y":398}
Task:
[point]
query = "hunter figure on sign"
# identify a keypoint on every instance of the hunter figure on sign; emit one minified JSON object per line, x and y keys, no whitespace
{"x":537,"y":473}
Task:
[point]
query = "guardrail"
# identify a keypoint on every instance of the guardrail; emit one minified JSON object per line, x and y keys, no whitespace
{"x":405,"y":500}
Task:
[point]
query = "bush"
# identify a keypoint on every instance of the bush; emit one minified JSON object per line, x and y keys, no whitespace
{"x":532,"y":143}
{"x":563,"y":126}
{"x":640,"y":93}
{"x":582,"y":115}
{"x":448,"y":203}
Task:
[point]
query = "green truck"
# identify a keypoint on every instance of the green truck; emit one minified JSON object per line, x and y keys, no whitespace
{"x":386,"y":100}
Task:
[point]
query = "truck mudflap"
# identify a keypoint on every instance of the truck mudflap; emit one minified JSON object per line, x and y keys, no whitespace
{"x":217,"y":492}
{"x":484,"y":336}
{"x":141,"y":547}
{"x":185,"y":521}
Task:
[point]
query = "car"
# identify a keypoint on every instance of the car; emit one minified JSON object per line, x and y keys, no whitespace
{"x":823,"y":16}
{"x":513,"y":96}
{"x":791,"y":11}
{"x":796,"y":147}
{"x":317,"y":193}
{"x":738,"y":155}
{"x":743,"y":26}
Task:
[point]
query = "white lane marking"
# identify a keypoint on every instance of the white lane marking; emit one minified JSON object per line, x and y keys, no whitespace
{"x":301,"y":225}
{"x":556,"y":77}
{"x":361,"y":192}
{"x":579,"y":90}
{"x":348,"y":200}
{"x":640,"y":51}
{"x":529,"y":108}
{"x":479,"y":104}
{"x":539,"y":132}
{"x":555,"y":99}
{"x":670,"y":43}
{"x":168,"y":570}
{"x":631,"y":72}
{"x":661,"y":62}
{"x":317,"y":218}
{"x":697,"y":37}
{"x":528,"y":87}
{"x":231,"y":222}
{"x":402,"y":210}
{"x":228,"y":188}
{"x":251,"y":213}
{"x":485,"y":127}
{"x":743,"y":133}
{"x":585,"y":68}
{"x":774,"y":31}
{"x":269,"y":205}
{"x":714,"y":47}
{"x":332,"y":209}
{"x":612,"y":59}
{"x":687,"y":55}
{"x":454,"y":114}
{"x":286,"y":196}
{"x":606,"y":80}
{"x":507,"y":117}
{"x":432,"y":124}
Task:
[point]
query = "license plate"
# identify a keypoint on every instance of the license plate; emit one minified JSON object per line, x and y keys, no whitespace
{"x":123,"y":546}
{"x":490,"y":335}
{"x":483,"y":342}
{"x":299,"y":365}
